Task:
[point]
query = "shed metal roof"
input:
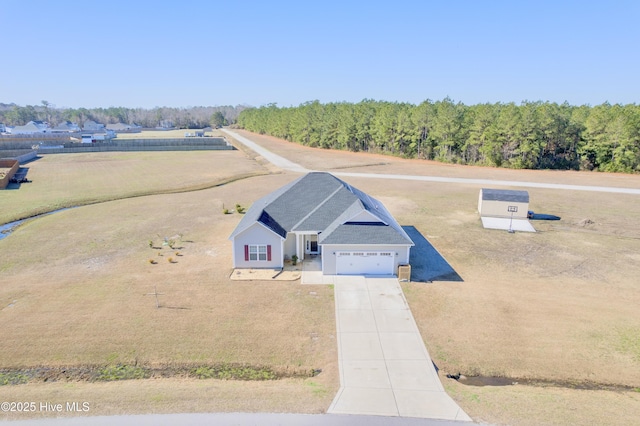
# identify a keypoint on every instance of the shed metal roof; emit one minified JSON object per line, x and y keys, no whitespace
{"x":505,"y":195}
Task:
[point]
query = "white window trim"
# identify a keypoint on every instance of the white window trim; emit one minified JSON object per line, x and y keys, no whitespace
{"x":255,"y":252}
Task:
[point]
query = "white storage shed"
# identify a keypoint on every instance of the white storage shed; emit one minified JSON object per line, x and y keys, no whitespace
{"x":503,"y":203}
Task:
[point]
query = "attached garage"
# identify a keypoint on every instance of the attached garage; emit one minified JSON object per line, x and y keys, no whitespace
{"x":365,"y":263}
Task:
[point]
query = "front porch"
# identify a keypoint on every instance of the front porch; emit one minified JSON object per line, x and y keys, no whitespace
{"x":312,"y":271}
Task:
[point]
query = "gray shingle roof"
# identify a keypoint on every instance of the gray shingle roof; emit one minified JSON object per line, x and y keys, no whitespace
{"x":505,"y":195}
{"x":320,"y":202}
{"x":364,"y":233}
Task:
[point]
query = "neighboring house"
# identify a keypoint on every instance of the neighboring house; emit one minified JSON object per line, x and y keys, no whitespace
{"x":42,"y":125}
{"x":31,"y":127}
{"x":2,"y":128}
{"x":98,"y":136}
{"x":504,"y":209}
{"x":319,"y":214}
{"x":92,"y":126}
{"x":122,"y":127}
{"x":66,"y":127}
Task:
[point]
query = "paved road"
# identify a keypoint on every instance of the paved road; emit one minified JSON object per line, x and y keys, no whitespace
{"x":274,"y":159}
{"x":236,"y":419}
{"x":289,"y":165}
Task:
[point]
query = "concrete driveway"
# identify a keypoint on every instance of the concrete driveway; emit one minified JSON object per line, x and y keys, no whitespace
{"x":385,"y":368}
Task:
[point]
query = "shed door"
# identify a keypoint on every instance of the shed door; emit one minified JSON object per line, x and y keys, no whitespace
{"x":364,"y":263}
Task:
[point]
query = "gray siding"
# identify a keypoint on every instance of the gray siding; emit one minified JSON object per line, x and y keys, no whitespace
{"x":257,"y":234}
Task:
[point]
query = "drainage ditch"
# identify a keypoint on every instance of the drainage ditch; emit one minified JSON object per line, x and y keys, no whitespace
{"x":567,"y":384}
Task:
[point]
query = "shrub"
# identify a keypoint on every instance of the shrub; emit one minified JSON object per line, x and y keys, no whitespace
{"x":121,"y":372}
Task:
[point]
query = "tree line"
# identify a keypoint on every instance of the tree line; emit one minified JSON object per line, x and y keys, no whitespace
{"x":183,"y":118}
{"x":531,"y":135}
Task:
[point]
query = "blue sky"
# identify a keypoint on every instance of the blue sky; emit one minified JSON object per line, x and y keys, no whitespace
{"x":191,"y":53}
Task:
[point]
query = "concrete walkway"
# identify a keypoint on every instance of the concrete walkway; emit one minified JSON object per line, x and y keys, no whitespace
{"x":385,"y":368}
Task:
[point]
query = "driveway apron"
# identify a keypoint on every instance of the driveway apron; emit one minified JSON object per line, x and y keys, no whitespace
{"x":385,"y":368}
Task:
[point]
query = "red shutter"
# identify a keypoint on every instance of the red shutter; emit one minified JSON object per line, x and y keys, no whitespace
{"x":246,"y":252}
{"x":269,"y":253}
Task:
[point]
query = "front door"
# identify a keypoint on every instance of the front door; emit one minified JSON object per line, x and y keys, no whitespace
{"x":311,"y":245}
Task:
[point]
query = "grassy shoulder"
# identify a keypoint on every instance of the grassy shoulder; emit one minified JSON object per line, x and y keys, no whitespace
{"x":175,"y":395}
{"x":67,"y":180}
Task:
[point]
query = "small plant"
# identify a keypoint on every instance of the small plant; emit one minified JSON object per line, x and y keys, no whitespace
{"x":240,"y":209}
{"x":13,"y":378}
{"x":170,"y":260}
{"x":153,"y":262}
{"x":150,"y":244}
{"x":171,"y":244}
{"x":178,"y":253}
{"x":159,"y":253}
{"x":294,"y":260}
{"x":121,"y":372}
{"x":226,"y":211}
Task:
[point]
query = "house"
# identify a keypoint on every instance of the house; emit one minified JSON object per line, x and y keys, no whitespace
{"x":504,"y":209}
{"x":2,"y":128}
{"x":123,"y":127}
{"x":321,"y":215}
{"x":30,"y":128}
{"x":92,"y":126}
{"x":66,"y":127}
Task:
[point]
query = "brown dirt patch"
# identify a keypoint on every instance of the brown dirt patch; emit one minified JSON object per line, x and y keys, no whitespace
{"x":559,"y":304}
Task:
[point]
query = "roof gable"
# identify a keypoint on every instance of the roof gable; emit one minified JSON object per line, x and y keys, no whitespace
{"x":320,"y":202}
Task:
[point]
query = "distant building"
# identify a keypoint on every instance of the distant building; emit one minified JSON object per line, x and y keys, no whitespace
{"x":90,"y":125}
{"x":30,"y":128}
{"x":98,"y":136}
{"x":2,"y":128}
{"x":122,"y":127}
{"x":66,"y":127}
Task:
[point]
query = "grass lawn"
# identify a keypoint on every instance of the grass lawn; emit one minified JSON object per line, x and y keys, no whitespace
{"x":558,"y":305}
{"x":164,"y":134}
{"x":66,"y":180}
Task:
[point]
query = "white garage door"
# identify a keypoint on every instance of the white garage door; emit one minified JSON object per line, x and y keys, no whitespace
{"x":364,"y":263}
